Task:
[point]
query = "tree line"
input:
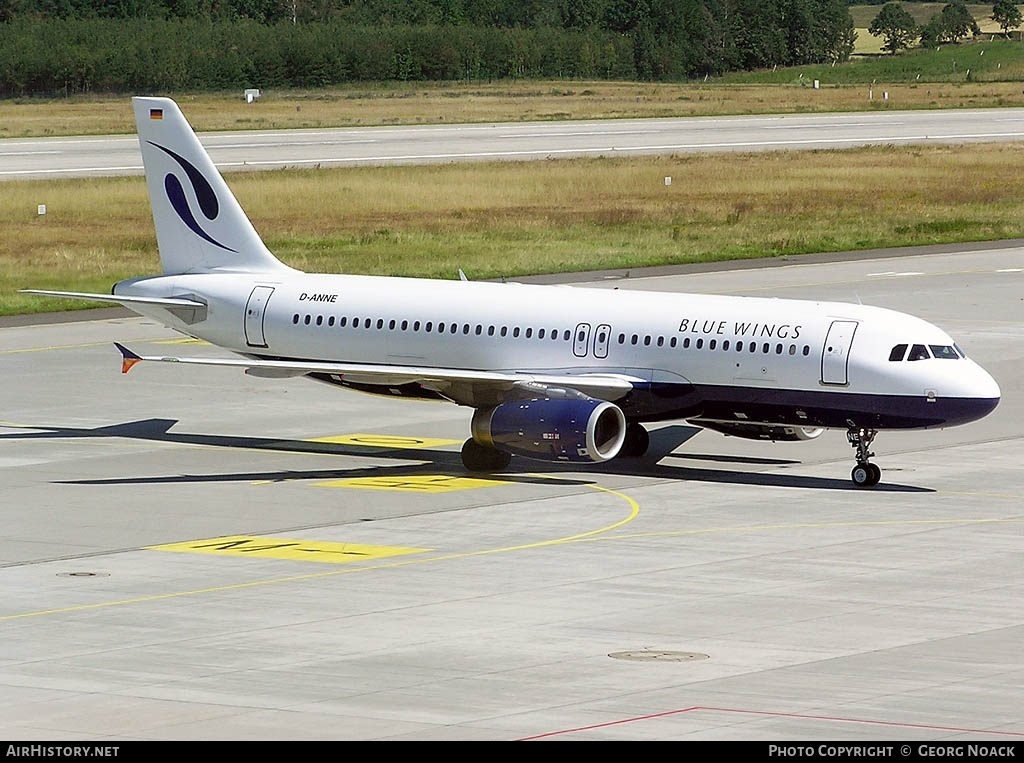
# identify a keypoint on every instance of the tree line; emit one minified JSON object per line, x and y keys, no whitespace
{"x":52,"y":47}
{"x":954,"y":22}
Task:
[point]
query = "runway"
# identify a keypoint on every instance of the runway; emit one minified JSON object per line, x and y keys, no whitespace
{"x":276,"y":149}
{"x":195,"y":554}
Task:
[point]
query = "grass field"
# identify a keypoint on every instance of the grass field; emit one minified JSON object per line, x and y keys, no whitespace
{"x":510,"y":219}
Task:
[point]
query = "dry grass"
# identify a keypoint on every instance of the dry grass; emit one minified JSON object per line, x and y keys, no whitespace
{"x":499,"y":102}
{"x":509,"y":219}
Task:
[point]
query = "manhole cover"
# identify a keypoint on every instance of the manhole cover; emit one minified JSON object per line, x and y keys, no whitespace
{"x":659,"y":655}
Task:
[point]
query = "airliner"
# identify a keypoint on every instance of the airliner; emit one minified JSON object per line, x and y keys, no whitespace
{"x":552,"y":373}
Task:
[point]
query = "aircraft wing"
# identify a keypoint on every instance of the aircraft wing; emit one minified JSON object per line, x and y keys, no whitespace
{"x":464,"y":386}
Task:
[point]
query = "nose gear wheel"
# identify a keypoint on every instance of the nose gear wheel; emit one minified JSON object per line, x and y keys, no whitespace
{"x":865,"y":473}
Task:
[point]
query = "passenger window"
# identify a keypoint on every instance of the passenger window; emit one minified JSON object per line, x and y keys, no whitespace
{"x":712,"y":344}
{"x":918,"y":352}
{"x":700,"y":344}
{"x":943,"y":352}
{"x":898,"y":352}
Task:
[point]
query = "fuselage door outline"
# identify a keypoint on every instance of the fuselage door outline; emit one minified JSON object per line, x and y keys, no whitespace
{"x":255,"y":309}
{"x":601,"y":336}
{"x":835,"y":354}
{"x":581,"y":340}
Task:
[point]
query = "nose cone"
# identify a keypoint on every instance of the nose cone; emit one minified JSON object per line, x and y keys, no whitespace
{"x":978,"y":396}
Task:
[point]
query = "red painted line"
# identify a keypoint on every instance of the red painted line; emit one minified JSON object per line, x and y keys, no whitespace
{"x":611,"y":723}
{"x":834,"y":719}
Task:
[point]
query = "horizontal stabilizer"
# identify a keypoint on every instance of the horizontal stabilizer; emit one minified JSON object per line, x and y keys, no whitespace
{"x":119,"y":299}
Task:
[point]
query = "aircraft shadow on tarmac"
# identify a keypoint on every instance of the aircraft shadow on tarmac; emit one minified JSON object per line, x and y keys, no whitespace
{"x":658,"y":462}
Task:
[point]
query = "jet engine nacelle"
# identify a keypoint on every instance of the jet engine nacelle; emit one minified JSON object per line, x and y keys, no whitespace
{"x":574,"y":429}
{"x":773,"y":432}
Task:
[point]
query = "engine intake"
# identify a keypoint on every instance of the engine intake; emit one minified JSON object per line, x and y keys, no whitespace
{"x":577,"y":430}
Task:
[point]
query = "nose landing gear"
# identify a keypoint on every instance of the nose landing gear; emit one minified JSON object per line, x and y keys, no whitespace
{"x":865,"y":473}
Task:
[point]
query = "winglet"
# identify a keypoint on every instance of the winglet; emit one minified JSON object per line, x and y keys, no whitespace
{"x":128,"y":358}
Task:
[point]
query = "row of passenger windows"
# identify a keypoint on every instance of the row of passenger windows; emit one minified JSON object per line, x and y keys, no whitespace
{"x":479,"y":330}
{"x":725,"y":345}
{"x":923,"y":352}
{"x":429,"y":327}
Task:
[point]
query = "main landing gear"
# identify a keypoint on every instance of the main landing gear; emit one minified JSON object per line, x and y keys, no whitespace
{"x":480,"y":458}
{"x":865,"y":473}
{"x":637,"y":441}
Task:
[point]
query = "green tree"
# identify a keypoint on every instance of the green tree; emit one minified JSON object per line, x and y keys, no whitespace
{"x":895,"y":24}
{"x":958,"y":22}
{"x":950,"y":25}
{"x":1006,"y":14}
{"x":932,"y":32}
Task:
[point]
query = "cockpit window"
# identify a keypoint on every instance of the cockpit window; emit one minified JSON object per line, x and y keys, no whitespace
{"x":918,"y":352}
{"x":898,"y":352}
{"x":960,"y":351}
{"x":944,"y":352}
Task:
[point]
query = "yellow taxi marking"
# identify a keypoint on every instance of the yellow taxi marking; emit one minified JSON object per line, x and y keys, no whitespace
{"x":183,"y":340}
{"x":82,"y":345}
{"x":384,"y":441}
{"x":634,"y":511}
{"x":422,"y":483}
{"x":288,"y":548}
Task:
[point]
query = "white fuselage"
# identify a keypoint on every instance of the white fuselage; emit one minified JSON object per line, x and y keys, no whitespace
{"x":717,"y":357}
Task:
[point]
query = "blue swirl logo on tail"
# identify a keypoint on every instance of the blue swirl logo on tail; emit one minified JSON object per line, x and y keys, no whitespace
{"x":205,"y":195}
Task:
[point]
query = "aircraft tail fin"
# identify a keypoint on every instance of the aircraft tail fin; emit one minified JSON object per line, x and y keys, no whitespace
{"x":200,"y":226}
